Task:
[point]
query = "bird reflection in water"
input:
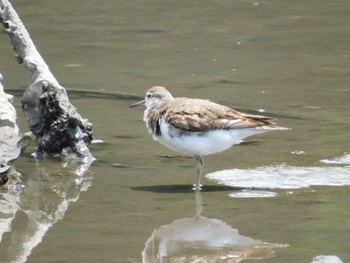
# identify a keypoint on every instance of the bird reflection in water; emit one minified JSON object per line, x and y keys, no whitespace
{"x":201,"y":239}
{"x":49,"y":189}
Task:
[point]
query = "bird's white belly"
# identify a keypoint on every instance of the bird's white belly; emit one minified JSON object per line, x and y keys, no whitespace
{"x":202,"y":143}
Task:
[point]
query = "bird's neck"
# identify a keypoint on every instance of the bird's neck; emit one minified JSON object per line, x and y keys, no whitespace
{"x":152,"y":119}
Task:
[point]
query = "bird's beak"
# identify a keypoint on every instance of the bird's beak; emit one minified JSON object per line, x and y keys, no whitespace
{"x":137,"y":103}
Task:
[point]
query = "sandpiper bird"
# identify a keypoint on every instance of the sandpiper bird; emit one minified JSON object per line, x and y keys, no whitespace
{"x":197,"y":127}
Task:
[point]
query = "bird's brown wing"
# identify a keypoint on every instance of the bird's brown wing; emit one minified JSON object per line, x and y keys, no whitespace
{"x":202,"y":115}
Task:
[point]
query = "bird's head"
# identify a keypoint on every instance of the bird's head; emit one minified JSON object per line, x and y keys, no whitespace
{"x":156,"y":97}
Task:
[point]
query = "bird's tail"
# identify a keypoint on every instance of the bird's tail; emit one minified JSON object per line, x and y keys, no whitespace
{"x":273,"y":128}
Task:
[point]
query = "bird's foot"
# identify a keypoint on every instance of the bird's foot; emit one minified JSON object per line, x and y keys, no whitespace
{"x":197,"y":187}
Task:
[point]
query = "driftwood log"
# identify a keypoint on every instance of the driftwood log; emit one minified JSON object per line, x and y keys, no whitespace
{"x":10,"y":137}
{"x":54,"y":121}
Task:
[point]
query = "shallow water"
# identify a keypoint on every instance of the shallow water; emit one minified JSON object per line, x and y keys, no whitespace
{"x":290,"y":59}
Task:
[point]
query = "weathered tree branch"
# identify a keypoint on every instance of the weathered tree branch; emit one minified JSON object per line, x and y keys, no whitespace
{"x":9,"y":134}
{"x":54,"y":121}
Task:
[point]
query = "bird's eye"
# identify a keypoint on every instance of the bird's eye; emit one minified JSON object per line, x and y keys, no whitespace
{"x":149,"y":96}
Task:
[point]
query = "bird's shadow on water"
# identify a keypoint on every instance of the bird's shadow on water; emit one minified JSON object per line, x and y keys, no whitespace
{"x":183,"y":188}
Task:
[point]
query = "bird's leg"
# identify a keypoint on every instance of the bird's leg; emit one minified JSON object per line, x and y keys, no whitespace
{"x":197,"y":186}
{"x":199,"y":204}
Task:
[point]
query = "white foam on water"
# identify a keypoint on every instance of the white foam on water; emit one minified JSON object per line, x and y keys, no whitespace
{"x":326,"y":259}
{"x":252,"y":194}
{"x":283,"y":177}
{"x":345,"y":159}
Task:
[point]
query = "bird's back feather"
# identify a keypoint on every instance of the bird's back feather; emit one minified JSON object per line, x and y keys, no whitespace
{"x":198,"y":115}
